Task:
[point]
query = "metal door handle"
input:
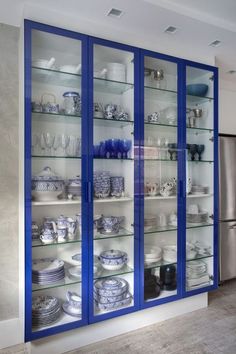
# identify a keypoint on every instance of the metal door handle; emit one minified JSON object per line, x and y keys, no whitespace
{"x":232,"y":227}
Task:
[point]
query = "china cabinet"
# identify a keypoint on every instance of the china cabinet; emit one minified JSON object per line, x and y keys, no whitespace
{"x":120,"y":179}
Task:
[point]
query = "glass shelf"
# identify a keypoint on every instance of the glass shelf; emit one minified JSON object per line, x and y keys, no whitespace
{"x":56,"y":77}
{"x":110,"y":86}
{"x":122,"y":233}
{"x":59,"y":117}
{"x":64,"y":282}
{"x":38,"y":243}
{"x":158,"y":264}
{"x":159,"y":197}
{"x":78,"y":157}
{"x":160,"y":94}
{"x":159,"y":160}
{"x":198,"y":99}
{"x":112,"y":122}
{"x":110,"y":273}
{"x":199,"y":257}
{"x":174,"y":228}
{"x":199,"y":195}
{"x":203,"y":130}
{"x":78,"y":201}
{"x":163,"y":294}
{"x":98,"y":312}
{"x":63,"y":319}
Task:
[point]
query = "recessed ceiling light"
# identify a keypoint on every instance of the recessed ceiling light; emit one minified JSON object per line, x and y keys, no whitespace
{"x":115,"y":13}
{"x":170,"y":30}
{"x":215,"y":43}
{"x":231,"y":72}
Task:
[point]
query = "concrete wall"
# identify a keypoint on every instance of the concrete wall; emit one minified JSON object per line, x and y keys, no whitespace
{"x":9,"y":175}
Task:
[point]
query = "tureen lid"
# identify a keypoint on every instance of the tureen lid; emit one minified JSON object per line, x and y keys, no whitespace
{"x":47,"y":175}
{"x":112,"y":254}
{"x":71,"y":94}
{"x":74,"y":181}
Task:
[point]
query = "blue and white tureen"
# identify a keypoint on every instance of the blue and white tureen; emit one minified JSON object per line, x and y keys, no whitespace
{"x":113,"y":259}
{"x":47,"y":185}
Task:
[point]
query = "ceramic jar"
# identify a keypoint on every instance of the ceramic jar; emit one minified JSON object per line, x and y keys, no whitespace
{"x":72,"y":103}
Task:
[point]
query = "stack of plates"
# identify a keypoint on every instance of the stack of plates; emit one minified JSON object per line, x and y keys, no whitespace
{"x":45,"y":310}
{"x":47,"y":271}
{"x":102,"y":185}
{"x":170,"y":254}
{"x":74,"y":187}
{"x":196,"y":189}
{"x":152,"y":254}
{"x":197,"y":275}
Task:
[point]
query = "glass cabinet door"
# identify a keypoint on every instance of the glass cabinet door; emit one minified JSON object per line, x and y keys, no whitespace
{"x":200,"y":184}
{"x":54,"y":114}
{"x":160,"y":155}
{"x":113,"y":242}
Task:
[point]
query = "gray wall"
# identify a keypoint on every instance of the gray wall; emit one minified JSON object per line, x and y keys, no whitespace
{"x":9,"y":229}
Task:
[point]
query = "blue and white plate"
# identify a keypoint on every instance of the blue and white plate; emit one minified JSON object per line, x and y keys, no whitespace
{"x":67,"y":308}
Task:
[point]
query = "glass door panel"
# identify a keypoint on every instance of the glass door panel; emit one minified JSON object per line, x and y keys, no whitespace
{"x":56,"y":181}
{"x":113,"y":179}
{"x":160,"y":158}
{"x":200,"y":178}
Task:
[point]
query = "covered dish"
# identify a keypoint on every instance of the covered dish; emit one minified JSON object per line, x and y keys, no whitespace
{"x":46,"y":185}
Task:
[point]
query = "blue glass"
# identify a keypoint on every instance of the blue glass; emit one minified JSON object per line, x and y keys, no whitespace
{"x":102,"y":149}
{"x":113,"y":147}
{"x":96,"y":150}
{"x":126,"y":147}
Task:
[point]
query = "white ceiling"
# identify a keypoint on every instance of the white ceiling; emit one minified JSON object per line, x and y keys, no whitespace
{"x":199,"y":22}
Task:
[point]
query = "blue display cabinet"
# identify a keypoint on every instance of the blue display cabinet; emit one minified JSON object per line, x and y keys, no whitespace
{"x":121,"y":179}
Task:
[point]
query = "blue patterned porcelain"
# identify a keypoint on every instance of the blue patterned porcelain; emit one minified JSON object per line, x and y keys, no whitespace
{"x":61,"y":222}
{"x":108,"y":299}
{"x":46,"y":185}
{"x":109,"y":224}
{"x":74,"y":299}
{"x":113,"y":286}
{"x":114,"y":305}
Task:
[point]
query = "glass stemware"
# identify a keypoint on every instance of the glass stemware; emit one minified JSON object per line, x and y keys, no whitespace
{"x":192,"y":150}
{"x":34,"y":143}
{"x":42,"y":144}
{"x":56,"y":144}
{"x":49,"y":141}
{"x":200,"y":150}
{"x":126,"y":146}
{"x":65,"y":140}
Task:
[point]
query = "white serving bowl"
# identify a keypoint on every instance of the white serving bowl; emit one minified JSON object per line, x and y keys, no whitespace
{"x":45,"y":196}
{"x":113,"y":266}
{"x":152,"y":252}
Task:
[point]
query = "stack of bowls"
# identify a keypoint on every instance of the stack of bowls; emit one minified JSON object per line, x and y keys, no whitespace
{"x":113,"y":259}
{"x":102,"y":186}
{"x":170,"y":254}
{"x":111,"y":293}
{"x":74,"y":186}
{"x":117,"y":186}
{"x":152,"y":254}
{"x":150,"y":222}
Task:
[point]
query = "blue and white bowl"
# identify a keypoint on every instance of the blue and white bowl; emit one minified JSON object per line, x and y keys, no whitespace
{"x":46,"y":185}
{"x":108,"y":299}
{"x":113,"y":259}
{"x":114,"y":305}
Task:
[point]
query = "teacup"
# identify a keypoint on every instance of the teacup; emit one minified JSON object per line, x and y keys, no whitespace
{"x":61,"y":234}
{"x":74,"y":299}
{"x":48,"y":236}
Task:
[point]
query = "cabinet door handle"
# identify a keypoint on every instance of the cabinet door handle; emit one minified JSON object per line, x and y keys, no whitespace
{"x":232,"y":227}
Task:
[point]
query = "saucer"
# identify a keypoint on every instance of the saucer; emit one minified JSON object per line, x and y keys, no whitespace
{"x":67,"y":308}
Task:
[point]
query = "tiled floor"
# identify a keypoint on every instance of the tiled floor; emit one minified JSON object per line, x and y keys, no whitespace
{"x":207,"y":331}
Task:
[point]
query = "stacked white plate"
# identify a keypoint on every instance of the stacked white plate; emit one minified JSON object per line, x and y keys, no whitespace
{"x":152,"y":254}
{"x":45,"y":310}
{"x":170,"y":254}
{"x":46,"y":271}
{"x":197,"y":275}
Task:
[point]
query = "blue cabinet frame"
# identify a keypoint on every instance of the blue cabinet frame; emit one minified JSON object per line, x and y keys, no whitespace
{"x":88,"y":43}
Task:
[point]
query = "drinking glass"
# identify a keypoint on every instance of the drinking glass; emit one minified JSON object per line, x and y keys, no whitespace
{"x":42,"y":144}
{"x":200,"y":150}
{"x":126,"y":146}
{"x":65,"y":139}
{"x":49,"y":141}
{"x":34,"y":143}
{"x":192,"y":150}
{"x":56,"y":144}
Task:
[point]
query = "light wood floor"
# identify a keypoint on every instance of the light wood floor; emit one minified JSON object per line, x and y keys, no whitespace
{"x":207,"y":331}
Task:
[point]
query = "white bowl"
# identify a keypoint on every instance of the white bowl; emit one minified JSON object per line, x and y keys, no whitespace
{"x":45,"y":196}
{"x":113,"y":267}
{"x":152,"y":252}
